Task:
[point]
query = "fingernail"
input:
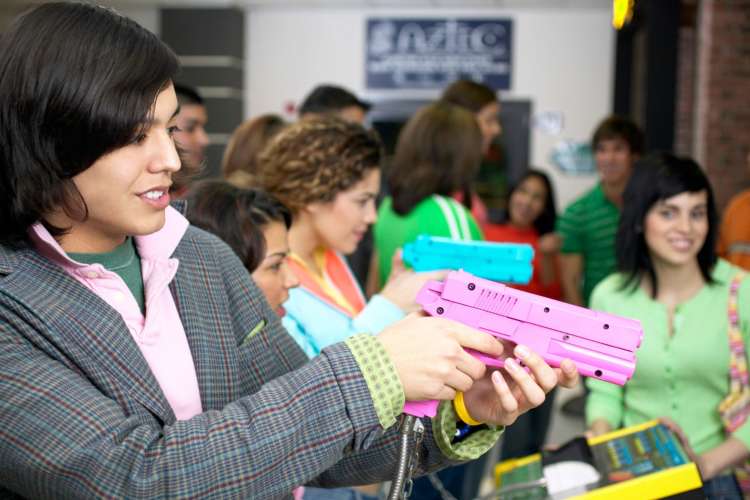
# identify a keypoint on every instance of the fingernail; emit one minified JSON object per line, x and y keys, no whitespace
{"x":522,"y":351}
{"x":510,"y":364}
{"x":497,"y":378}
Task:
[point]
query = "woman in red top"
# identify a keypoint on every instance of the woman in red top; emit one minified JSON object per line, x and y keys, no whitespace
{"x":531,"y":219}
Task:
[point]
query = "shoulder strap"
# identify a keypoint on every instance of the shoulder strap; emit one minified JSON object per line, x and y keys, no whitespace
{"x":735,"y":408}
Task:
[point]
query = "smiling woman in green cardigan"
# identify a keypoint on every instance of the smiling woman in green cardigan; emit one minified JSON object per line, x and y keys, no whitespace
{"x":671,"y":280}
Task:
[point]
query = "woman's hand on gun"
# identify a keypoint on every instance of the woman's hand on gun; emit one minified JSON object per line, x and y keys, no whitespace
{"x":404,"y":284}
{"x":502,"y":395}
{"x":428,"y":354}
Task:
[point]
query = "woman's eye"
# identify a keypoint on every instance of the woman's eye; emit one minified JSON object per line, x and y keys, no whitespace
{"x":667,"y":214}
{"x":173,"y":129}
{"x":275,"y":267}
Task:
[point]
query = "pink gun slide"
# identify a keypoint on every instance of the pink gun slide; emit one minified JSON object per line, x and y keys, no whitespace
{"x":601,"y":345}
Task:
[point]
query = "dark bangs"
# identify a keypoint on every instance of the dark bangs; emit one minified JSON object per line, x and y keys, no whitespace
{"x":237,"y":216}
{"x":655,"y":178}
{"x":76,"y":82}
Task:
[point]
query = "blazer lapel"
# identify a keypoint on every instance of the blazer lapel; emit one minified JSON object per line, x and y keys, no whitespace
{"x":215,"y":354}
{"x":103,"y":345}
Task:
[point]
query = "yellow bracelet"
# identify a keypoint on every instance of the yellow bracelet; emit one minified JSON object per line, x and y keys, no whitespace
{"x":461,"y":411}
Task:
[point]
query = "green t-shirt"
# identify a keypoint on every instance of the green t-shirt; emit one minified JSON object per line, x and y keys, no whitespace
{"x":123,"y":261}
{"x":435,"y":216}
{"x":589,"y":227}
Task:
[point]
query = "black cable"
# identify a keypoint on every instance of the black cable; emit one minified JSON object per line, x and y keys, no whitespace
{"x":397,"y":486}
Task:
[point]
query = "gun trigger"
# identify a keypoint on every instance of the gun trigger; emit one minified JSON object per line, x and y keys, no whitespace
{"x":487,"y":360}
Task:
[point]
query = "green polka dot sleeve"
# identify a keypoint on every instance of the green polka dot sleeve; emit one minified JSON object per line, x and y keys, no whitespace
{"x":474,"y":446}
{"x":380,"y":376}
{"x":388,"y":398}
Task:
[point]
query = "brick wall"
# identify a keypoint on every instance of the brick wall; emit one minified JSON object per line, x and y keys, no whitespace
{"x":685,"y":92}
{"x":723,"y":131}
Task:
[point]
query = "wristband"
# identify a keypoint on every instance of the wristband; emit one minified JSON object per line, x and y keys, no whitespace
{"x":461,"y":411}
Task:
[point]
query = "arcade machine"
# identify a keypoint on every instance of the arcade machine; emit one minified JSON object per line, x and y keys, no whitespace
{"x":640,"y":462}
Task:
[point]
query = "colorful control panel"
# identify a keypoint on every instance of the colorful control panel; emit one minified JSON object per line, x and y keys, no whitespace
{"x":639,"y":462}
{"x":643,"y":452}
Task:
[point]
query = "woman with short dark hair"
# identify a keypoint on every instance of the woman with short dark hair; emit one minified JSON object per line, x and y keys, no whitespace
{"x":255,"y":225}
{"x":531,"y":219}
{"x":692,"y":364}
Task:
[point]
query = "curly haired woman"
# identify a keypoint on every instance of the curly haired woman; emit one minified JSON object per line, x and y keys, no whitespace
{"x":327,"y":172}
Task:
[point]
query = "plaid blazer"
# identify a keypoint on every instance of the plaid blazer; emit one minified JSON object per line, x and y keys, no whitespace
{"x":81,"y":415}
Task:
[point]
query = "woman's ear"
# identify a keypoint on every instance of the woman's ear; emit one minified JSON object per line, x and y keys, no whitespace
{"x":311,"y":208}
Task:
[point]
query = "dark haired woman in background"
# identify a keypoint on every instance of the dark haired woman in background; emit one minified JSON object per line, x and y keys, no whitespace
{"x":255,"y":225}
{"x":687,"y":300}
{"x":531,"y":220}
{"x":131,"y":363}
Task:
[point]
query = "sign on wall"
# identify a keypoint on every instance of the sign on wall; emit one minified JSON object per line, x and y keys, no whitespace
{"x":431,"y":53}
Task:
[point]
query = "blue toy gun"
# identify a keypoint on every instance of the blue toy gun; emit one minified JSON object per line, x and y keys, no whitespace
{"x":506,"y":262}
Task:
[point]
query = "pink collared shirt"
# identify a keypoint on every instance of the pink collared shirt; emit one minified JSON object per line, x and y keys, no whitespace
{"x":159,"y":335}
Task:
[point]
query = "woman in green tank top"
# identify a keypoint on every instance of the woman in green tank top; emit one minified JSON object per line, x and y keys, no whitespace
{"x":437,"y":154}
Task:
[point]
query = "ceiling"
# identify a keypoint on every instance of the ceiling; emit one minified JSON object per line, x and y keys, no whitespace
{"x":605,"y":4}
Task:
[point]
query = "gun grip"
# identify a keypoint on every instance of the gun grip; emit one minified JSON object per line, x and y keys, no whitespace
{"x":429,"y":408}
{"x":421,"y":408}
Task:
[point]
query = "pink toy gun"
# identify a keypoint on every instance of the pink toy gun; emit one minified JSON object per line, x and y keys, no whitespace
{"x":601,"y":345}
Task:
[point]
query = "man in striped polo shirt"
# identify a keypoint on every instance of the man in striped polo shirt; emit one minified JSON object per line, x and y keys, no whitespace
{"x":589,"y":225}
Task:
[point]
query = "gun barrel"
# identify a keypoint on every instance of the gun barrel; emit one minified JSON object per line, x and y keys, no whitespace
{"x":601,"y":345}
